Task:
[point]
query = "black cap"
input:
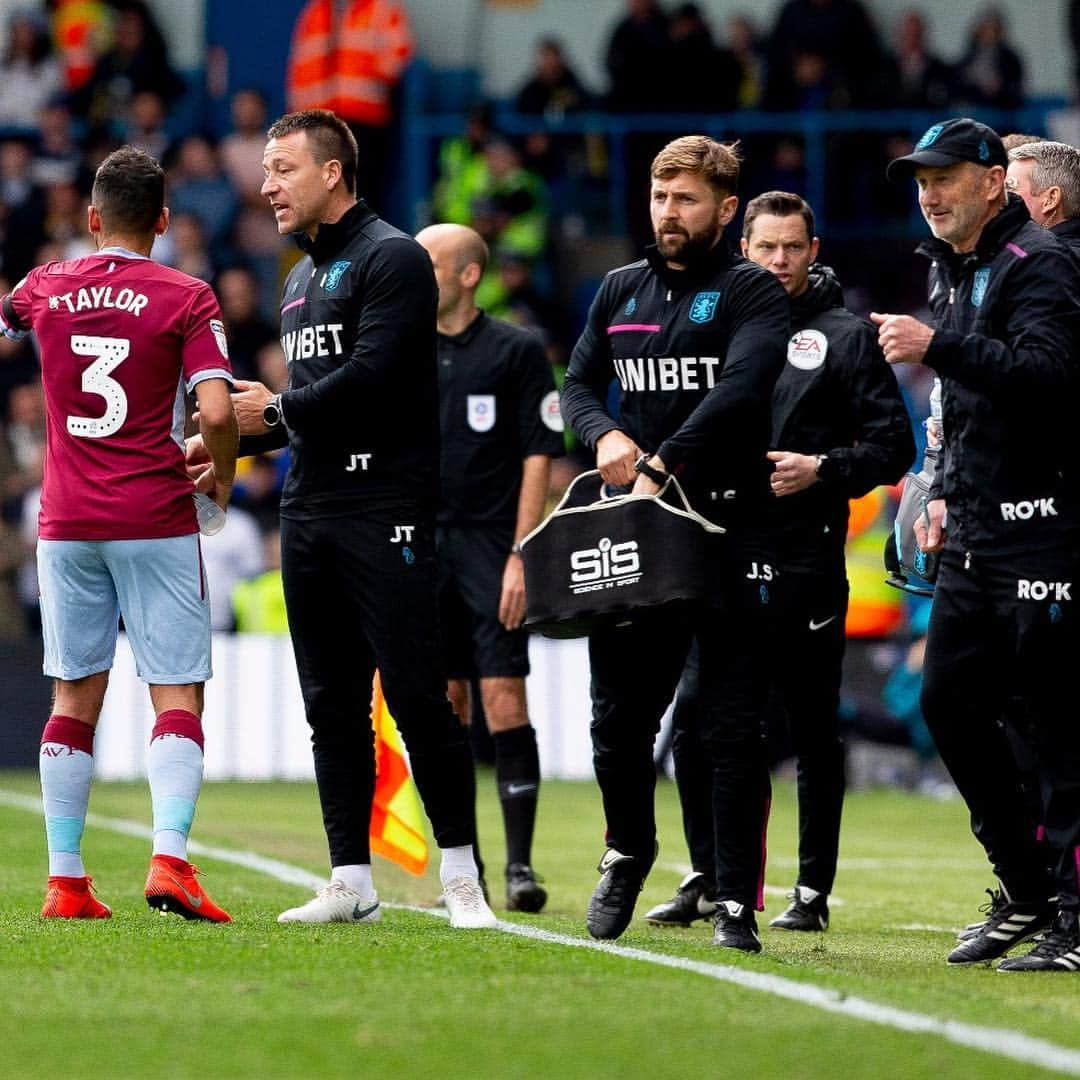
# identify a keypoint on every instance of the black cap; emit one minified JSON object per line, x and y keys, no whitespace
{"x":949,"y":143}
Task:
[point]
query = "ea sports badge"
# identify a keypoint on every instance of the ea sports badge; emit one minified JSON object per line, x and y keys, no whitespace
{"x":806,"y":350}
{"x":550,"y":412}
{"x":480,"y":411}
{"x":218,"y":328}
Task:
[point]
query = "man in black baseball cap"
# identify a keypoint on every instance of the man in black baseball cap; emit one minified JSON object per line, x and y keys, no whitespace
{"x":949,"y":143}
{"x":1004,"y":627}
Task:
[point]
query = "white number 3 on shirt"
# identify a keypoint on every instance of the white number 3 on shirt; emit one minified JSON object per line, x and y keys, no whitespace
{"x":109,"y":352}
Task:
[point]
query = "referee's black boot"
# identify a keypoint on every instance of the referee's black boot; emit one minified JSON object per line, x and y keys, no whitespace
{"x":611,"y":906}
{"x":693,"y":900}
{"x":734,"y":927}
{"x":1008,"y":923}
{"x":808,"y":910}
{"x":523,"y":889}
{"x":1056,"y":950}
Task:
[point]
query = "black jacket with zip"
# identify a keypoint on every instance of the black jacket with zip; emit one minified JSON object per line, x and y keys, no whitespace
{"x":836,"y":396}
{"x":1007,"y":348}
{"x":696,"y":353}
{"x":362,"y":410}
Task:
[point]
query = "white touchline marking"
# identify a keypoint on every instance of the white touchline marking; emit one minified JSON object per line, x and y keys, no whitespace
{"x":1000,"y":1041}
{"x":682,"y":869}
{"x":927,"y":927}
{"x":888,"y":862}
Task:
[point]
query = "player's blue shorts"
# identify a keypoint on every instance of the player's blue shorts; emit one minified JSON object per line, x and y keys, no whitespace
{"x":157,"y":585}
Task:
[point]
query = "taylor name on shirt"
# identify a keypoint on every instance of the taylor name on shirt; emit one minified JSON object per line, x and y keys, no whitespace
{"x":100,"y":297}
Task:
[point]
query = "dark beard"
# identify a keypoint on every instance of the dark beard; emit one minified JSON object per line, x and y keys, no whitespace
{"x":680,"y":248}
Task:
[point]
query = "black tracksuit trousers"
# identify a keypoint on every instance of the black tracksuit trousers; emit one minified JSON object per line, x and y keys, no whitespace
{"x":636,"y":668}
{"x":1007,"y":628}
{"x":361,"y":594}
{"x":806,"y":630}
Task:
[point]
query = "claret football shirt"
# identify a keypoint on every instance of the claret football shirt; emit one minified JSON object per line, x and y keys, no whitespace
{"x":121,"y":338}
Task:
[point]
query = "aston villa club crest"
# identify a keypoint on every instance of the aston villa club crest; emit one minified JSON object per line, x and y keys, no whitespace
{"x":930,"y":137}
{"x":334,"y":275}
{"x":979,"y":284}
{"x":703,"y":307}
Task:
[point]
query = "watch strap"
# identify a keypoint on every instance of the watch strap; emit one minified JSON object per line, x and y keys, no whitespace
{"x":655,"y":475}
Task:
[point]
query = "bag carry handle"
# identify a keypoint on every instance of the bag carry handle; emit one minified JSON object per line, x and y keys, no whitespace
{"x":590,"y":483}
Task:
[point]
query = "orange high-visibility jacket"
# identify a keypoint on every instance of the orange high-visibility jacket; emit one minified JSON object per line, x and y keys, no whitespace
{"x":348,"y":59}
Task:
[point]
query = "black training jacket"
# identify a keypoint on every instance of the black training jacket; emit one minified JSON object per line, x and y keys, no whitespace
{"x":696,"y":353}
{"x":835,"y":396}
{"x":362,"y":408}
{"x":1068,"y":232}
{"x":1006,"y":348}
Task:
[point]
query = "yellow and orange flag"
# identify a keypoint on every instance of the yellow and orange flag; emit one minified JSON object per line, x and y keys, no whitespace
{"x":397,"y":831}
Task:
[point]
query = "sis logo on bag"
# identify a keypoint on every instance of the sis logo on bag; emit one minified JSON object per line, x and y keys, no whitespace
{"x":606,"y":566}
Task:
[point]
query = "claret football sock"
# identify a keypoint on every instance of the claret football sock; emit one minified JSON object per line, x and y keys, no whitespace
{"x":66,"y":765}
{"x":175,"y":771}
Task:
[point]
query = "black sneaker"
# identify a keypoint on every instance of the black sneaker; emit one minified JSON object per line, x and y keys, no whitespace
{"x":734,"y":927}
{"x":808,"y":910}
{"x":690,"y":902}
{"x":611,"y":906}
{"x":1057,"y":950}
{"x":1008,"y":922}
{"x":989,"y":909}
{"x":523,"y":890}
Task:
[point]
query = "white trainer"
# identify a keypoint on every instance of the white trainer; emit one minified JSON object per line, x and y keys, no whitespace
{"x":466,"y":904}
{"x":335,"y":902}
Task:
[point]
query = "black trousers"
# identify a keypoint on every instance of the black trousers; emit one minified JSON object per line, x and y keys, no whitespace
{"x":806,"y":634}
{"x":1006,"y":630}
{"x":635,"y":671}
{"x":360,"y":595}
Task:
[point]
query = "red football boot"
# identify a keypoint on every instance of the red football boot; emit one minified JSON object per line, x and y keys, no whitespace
{"x":73,"y":898}
{"x":171,"y":886}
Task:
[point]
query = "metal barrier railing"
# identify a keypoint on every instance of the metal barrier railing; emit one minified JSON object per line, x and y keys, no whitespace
{"x":424,"y":127}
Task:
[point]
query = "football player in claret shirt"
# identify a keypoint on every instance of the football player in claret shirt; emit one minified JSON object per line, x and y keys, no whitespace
{"x":121,"y":340}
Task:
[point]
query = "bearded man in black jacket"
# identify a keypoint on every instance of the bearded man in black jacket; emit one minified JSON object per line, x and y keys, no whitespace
{"x":695,"y":336}
{"x":839,"y":429}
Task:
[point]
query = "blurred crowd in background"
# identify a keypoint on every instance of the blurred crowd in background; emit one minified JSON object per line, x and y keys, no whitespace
{"x":79,"y":77}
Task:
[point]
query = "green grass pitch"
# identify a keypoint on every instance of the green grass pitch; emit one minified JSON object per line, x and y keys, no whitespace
{"x":146,"y":996}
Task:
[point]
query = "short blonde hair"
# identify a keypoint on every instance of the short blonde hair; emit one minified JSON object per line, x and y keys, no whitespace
{"x":715,"y":162}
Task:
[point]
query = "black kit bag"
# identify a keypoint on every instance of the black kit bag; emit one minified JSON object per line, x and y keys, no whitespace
{"x":911,"y":568}
{"x":599,"y":556}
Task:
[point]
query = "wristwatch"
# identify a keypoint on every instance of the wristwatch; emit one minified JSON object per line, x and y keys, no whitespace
{"x":272,"y":412}
{"x":655,"y":475}
{"x":821,"y":459}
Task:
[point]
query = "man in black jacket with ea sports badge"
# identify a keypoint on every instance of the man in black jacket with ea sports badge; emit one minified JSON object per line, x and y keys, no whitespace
{"x":695,"y":336}
{"x":1006,"y":344}
{"x":840,"y":429}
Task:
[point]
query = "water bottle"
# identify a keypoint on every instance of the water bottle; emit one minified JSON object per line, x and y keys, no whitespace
{"x":210,"y":516}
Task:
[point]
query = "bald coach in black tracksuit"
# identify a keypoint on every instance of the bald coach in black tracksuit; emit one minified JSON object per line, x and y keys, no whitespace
{"x":696,"y":351}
